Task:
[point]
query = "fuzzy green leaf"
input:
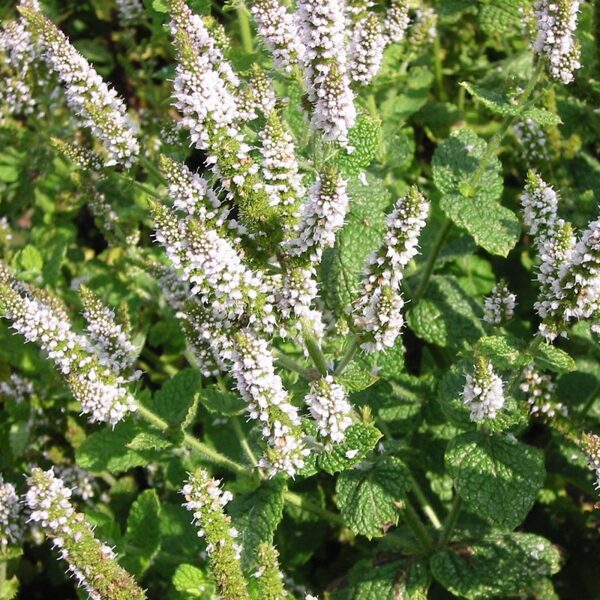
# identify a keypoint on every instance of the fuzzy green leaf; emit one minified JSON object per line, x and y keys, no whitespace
{"x":193,"y":583}
{"x":359,"y":441}
{"x":446,"y":316}
{"x":553,"y":358}
{"x":176,"y":400}
{"x":142,"y":538}
{"x":149,"y":440}
{"x":497,"y":476}
{"x":500,"y":565}
{"x":500,"y":17}
{"x":473,"y":207}
{"x":404,"y":579}
{"x":256,"y":516}
{"x":222,"y":402}
{"x":455,"y":161}
{"x":356,"y":379}
{"x":363,"y":139}
{"x":365,"y":225}
{"x":504,"y":352}
{"x":493,"y":226}
{"x":107,"y":450}
{"x":370,"y":497}
{"x":501,"y":104}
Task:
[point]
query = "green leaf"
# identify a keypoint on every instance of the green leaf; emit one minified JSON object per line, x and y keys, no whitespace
{"x":502,"y":104}
{"x":18,"y":437}
{"x":497,"y":476}
{"x":405,"y":579}
{"x":494,"y":227}
{"x":160,"y":6}
{"x":222,"y":402}
{"x":29,"y":259}
{"x":446,"y":316}
{"x":149,"y":440}
{"x":363,"y":139}
{"x":343,"y":266}
{"x":369,"y":497}
{"x":355,"y":379}
{"x":10,"y":588}
{"x":359,"y":441}
{"x":504,"y":352}
{"x":107,"y":449}
{"x":142,"y":537}
{"x":402,"y":102}
{"x":176,"y":400}
{"x":552,"y":358}
{"x":388,"y":364}
{"x":501,"y":17}
{"x":256,"y":516}
{"x":193,"y":583}
{"x":500,"y":565}
{"x":455,"y":161}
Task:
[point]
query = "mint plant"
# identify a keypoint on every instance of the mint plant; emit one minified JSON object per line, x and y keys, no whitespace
{"x":299,"y":299}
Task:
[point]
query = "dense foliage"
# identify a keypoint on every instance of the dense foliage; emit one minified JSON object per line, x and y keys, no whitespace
{"x":299,"y":299}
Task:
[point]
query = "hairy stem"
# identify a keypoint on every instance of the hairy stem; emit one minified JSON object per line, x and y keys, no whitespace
{"x":348,"y":355}
{"x":450,"y":522}
{"x":314,"y":349}
{"x":237,"y":426}
{"x":435,"y":251}
{"x":426,"y":507}
{"x":289,"y":363}
{"x":245,"y":29}
{"x":419,"y":530}
{"x":299,"y":501}
{"x":190,"y":441}
{"x":490,"y":152}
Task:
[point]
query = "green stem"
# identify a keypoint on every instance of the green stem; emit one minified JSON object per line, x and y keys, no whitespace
{"x":294,"y":499}
{"x":430,"y":513}
{"x":140,"y":186}
{"x":372,"y":106}
{"x":289,"y":363}
{"x":154,"y":171}
{"x":3,"y":578}
{"x":435,"y":251}
{"x":532,"y":349}
{"x":190,"y":441}
{"x":490,"y":152}
{"x":348,"y":355}
{"x":419,"y":530}
{"x":437,"y":69}
{"x":450,"y":522}
{"x":582,"y":414}
{"x":245,"y":30}
{"x":314,"y":349}
{"x":237,"y":426}
{"x":508,"y":120}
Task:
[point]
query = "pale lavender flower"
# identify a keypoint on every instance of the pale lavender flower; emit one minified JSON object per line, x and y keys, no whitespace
{"x":499,"y":306}
{"x":323,"y":214}
{"x":10,"y":528}
{"x":92,"y":563}
{"x":323,"y":25}
{"x":279,"y":30}
{"x":378,"y":311}
{"x":483,"y":392}
{"x":269,"y":404}
{"x":91,"y":100}
{"x":556,"y":41}
{"x":396,"y":21}
{"x":330,"y":408}
{"x":366,"y":50}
